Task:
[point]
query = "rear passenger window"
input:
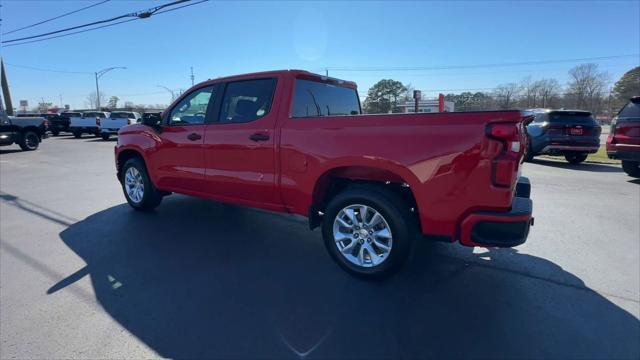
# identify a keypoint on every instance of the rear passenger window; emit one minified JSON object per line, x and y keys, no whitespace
{"x":247,"y":100}
{"x":313,"y":99}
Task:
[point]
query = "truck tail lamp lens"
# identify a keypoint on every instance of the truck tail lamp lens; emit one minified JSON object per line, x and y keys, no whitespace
{"x":505,"y":164}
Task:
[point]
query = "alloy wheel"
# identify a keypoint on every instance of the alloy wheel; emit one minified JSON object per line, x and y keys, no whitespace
{"x":134,"y":185}
{"x":362,"y":235}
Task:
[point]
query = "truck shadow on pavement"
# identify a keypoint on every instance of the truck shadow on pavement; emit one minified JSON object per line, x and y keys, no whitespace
{"x":198,"y":279}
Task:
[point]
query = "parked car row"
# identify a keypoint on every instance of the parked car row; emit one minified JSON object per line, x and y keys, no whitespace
{"x":97,"y":123}
{"x":573,"y":134}
{"x":27,"y":132}
{"x":29,"y":129}
{"x":624,"y":138}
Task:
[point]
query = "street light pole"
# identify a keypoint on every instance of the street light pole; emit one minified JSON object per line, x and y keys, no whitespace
{"x":98,"y":75}
{"x":173,"y":95}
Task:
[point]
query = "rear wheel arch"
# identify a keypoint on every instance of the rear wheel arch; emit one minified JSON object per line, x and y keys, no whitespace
{"x":334,"y":181}
{"x":34,"y":129}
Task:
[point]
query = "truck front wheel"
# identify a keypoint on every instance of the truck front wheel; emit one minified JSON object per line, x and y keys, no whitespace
{"x":105,"y":136}
{"x":368,"y":231}
{"x":30,"y":141}
{"x":137,"y":186}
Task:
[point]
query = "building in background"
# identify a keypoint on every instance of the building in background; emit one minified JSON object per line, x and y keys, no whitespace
{"x":427,"y":105}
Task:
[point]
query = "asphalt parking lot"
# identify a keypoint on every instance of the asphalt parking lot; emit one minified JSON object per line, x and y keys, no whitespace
{"x":82,"y":275}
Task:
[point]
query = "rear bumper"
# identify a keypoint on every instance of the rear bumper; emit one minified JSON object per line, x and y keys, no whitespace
{"x":109,"y":131}
{"x":624,"y":151}
{"x":85,"y":129}
{"x":558,"y":145}
{"x":550,"y":149}
{"x":501,"y":229}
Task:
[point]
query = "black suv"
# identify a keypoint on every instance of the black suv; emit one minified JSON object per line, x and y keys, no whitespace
{"x":572,"y":133}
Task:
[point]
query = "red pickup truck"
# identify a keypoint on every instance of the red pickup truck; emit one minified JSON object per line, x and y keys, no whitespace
{"x":296,"y":142}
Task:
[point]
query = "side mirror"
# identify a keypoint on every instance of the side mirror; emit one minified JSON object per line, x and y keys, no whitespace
{"x":152,"y":120}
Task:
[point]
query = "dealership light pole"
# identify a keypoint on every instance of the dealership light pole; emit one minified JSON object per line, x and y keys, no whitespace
{"x":98,"y":75}
{"x":173,"y":94}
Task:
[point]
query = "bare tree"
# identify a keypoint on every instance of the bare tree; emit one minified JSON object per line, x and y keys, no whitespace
{"x":92,"y":97}
{"x":547,"y":92}
{"x":586,"y":87}
{"x":506,"y":95}
{"x":529,"y":89}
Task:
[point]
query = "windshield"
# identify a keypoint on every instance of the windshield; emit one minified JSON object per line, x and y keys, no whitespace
{"x":124,"y":115}
{"x":570,"y":117}
{"x":95,"y":114}
{"x":631,"y":110}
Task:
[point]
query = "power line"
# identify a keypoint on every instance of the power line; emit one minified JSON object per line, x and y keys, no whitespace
{"x":180,"y":7}
{"x":537,"y":62}
{"x":72,"y":33}
{"x":103,"y":26}
{"x":137,"y":15}
{"x":48,"y":70}
{"x":54,"y":18}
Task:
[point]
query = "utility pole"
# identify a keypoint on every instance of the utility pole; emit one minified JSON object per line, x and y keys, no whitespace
{"x":99,"y":74}
{"x":5,"y":88}
{"x":192,"y":77}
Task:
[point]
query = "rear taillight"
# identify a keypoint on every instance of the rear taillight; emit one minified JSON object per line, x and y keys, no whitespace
{"x":98,"y":121}
{"x":553,"y":129}
{"x":505,"y":165}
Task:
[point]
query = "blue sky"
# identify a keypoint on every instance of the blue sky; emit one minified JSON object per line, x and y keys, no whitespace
{"x":224,"y":38}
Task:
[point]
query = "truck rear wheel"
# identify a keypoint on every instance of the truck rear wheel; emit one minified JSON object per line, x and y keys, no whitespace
{"x":368,"y":231}
{"x":105,"y":136}
{"x":632,"y":168}
{"x":77,"y":134}
{"x":30,"y":141}
{"x":575,"y":158}
{"x":137,"y":186}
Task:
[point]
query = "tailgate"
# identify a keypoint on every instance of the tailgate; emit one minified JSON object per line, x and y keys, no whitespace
{"x":115,"y":124}
{"x":82,"y":122}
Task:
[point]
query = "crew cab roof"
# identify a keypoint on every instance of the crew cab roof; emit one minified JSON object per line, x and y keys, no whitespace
{"x":275,"y":73}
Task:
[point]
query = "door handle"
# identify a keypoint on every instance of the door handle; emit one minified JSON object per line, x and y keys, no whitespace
{"x":194,"y":137}
{"x":259,"y":137}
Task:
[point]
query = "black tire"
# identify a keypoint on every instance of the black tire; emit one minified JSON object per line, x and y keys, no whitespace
{"x":575,"y":158}
{"x":528,"y":155}
{"x":98,"y":134}
{"x":632,"y":168}
{"x":395,"y":212}
{"x":55,"y":132}
{"x":29,"y":141}
{"x":105,"y":136}
{"x":151,"y":196}
{"x":77,"y":134}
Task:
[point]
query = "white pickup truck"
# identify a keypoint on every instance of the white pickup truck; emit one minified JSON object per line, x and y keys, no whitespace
{"x":115,"y":121}
{"x":88,"y":123}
